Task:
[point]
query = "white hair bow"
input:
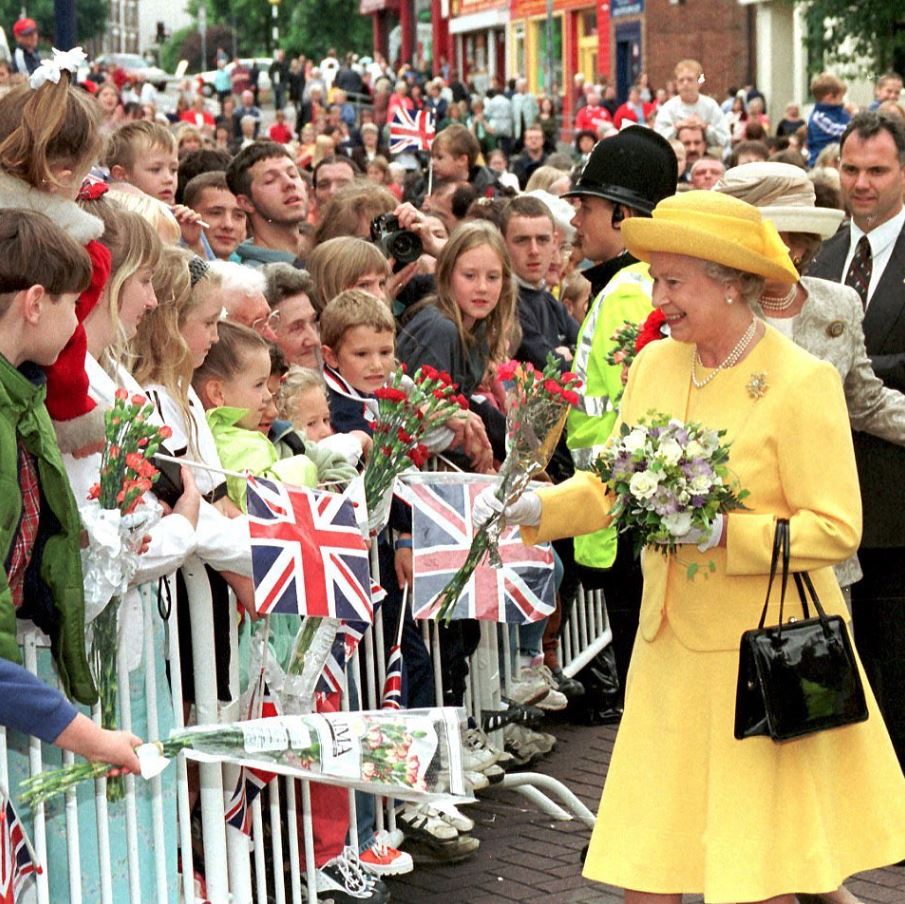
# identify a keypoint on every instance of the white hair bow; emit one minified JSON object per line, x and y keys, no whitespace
{"x":49,"y":70}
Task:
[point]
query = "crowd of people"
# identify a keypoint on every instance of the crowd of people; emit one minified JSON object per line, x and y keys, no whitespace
{"x":233,"y":272}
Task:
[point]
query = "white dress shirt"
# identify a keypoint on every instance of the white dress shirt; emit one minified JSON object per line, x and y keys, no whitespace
{"x":882,"y":241}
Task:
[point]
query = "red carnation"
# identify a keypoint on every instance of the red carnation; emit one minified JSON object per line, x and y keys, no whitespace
{"x":552,"y":387}
{"x":121,"y":394}
{"x":651,"y":329}
{"x":570,"y":397}
{"x":404,"y":436}
{"x":164,"y":432}
{"x":428,"y":372}
{"x":390,"y":394}
{"x":444,"y":378}
{"x":506,"y":372}
{"x":418,"y":455}
{"x":139,"y":400}
{"x":461,"y":401}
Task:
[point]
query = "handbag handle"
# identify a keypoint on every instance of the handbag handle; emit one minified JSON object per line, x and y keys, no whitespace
{"x":804,"y":583}
{"x":780,"y":547}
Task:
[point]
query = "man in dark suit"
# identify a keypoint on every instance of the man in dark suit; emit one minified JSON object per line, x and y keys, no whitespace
{"x":870,"y":256}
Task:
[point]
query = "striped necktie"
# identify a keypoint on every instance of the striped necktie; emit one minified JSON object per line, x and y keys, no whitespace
{"x":859,"y":270}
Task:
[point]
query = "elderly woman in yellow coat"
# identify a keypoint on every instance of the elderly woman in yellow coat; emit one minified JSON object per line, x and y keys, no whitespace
{"x":687,"y":807}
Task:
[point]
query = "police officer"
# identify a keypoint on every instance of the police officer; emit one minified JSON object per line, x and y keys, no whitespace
{"x":625,"y":176}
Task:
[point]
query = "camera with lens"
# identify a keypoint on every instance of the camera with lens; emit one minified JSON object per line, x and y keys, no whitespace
{"x":394,"y":241}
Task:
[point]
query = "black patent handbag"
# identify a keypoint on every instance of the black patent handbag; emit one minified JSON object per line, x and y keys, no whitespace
{"x":799,"y":677}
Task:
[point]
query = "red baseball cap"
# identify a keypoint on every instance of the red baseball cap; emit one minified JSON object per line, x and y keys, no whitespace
{"x":24,"y":27}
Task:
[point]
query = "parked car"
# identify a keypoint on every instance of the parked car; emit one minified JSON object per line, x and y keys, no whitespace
{"x":204,"y":81}
{"x":134,"y":64}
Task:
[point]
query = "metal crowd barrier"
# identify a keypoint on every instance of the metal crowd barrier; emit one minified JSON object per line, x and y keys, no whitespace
{"x":254,"y":870}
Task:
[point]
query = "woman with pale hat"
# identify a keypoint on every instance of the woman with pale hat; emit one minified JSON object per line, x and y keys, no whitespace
{"x":821,"y":316}
{"x":686,"y":807}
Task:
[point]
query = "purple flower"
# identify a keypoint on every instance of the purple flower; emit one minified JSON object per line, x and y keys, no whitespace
{"x":698,"y":501}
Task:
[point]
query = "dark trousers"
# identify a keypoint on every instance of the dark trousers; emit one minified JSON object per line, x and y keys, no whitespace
{"x":622,"y":584}
{"x":418,"y":686}
{"x":878,"y":615}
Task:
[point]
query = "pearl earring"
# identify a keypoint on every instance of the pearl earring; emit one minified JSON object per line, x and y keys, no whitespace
{"x":729,"y":299}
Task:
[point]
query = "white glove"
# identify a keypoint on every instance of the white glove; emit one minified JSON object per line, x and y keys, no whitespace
{"x":705,"y":538}
{"x":525,"y":510}
{"x":344,"y":444}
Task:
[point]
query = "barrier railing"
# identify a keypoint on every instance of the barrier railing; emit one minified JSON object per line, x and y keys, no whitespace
{"x":237,"y":868}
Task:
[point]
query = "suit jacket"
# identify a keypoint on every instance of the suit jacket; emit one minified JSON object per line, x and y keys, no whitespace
{"x":790,"y":448}
{"x":881,"y":465}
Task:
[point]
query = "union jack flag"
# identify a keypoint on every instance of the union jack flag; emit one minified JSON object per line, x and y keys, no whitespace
{"x":348,"y":637}
{"x":308,"y":555}
{"x":250,"y":785}
{"x":411,"y":132}
{"x":522,"y":590}
{"x":392,"y":686}
{"x":16,"y":861}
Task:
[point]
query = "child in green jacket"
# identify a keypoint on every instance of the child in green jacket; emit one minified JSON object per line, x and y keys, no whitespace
{"x":42,"y":273}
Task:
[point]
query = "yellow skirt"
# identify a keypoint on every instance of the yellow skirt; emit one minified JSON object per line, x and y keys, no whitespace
{"x":687,"y":808}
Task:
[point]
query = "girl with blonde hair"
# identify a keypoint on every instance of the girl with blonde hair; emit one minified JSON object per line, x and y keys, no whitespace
{"x":465,"y":326}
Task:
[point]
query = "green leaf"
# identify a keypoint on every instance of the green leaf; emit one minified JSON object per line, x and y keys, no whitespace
{"x":692,"y":570}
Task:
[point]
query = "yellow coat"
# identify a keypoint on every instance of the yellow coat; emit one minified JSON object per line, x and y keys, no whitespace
{"x":686,"y":807}
{"x":791,"y":449}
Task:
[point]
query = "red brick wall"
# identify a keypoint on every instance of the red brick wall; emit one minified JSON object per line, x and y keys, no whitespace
{"x":714,"y":32}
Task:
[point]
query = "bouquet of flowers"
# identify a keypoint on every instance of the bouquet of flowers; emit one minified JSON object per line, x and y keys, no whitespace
{"x":403,"y":754}
{"x":407,"y":410}
{"x":669,"y":478}
{"x":539,"y":402}
{"x":116,"y":521}
{"x":623,"y":353}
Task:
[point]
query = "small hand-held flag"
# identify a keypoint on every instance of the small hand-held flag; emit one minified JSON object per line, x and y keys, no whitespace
{"x":17,"y":860}
{"x":411,"y":132}
{"x":308,"y":555}
{"x":522,"y":590}
{"x":392,"y":685}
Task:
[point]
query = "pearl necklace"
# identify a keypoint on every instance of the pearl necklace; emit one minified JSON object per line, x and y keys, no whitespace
{"x":729,"y":361}
{"x":771,"y":303}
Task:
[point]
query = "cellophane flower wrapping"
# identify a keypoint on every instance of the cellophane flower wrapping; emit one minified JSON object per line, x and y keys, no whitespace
{"x":410,"y":754}
{"x":116,"y":519}
{"x":539,"y":403}
{"x":669,"y":478}
{"x":407,"y":411}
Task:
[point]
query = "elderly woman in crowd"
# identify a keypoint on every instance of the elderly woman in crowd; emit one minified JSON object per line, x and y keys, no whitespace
{"x":687,"y":807}
{"x":822,"y":317}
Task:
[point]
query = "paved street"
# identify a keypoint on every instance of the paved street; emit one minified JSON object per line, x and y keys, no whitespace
{"x":529,"y":858}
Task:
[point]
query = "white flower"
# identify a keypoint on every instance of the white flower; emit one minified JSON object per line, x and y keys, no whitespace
{"x":695,"y":450}
{"x":710,"y":439}
{"x":635,"y":441}
{"x":678,"y":524}
{"x":699,"y":484}
{"x":643,"y":485}
{"x":669,"y":451}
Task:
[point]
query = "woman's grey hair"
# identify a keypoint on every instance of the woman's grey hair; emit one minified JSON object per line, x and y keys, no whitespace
{"x":239,"y":278}
{"x":750,"y":285}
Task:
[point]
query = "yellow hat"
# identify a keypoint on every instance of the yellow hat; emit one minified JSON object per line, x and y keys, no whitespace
{"x":712,"y":227}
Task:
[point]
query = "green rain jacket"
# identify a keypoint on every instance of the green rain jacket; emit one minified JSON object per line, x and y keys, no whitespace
{"x":54,"y":590}
{"x":627,"y":296}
